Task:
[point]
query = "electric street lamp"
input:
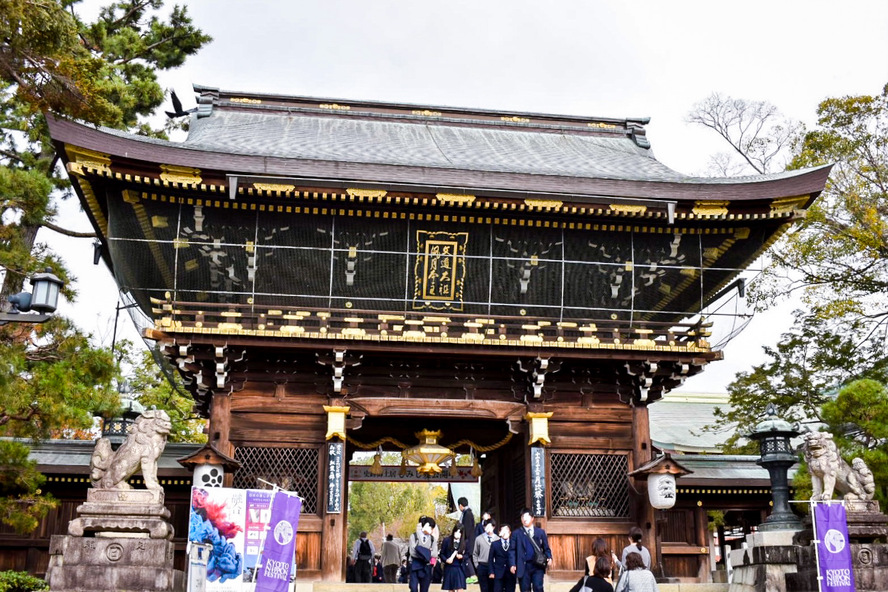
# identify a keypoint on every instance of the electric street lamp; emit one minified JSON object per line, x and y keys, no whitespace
{"x":42,"y":300}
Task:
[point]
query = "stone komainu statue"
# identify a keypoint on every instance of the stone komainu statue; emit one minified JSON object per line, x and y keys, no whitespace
{"x":829,"y":471}
{"x":142,"y":448}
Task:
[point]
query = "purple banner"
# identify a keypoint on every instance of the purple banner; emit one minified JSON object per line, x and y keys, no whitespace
{"x":834,"y":548}
{"x":279,"y":551}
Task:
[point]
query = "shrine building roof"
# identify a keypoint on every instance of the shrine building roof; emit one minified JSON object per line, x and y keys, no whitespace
{"x":414,"y":146}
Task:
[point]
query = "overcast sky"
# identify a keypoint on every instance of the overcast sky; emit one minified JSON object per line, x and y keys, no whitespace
{"x":594,"y":58}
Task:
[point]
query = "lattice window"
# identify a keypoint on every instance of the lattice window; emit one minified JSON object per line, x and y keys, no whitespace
{"x":590,"y":485}
{"x":294,"y":469}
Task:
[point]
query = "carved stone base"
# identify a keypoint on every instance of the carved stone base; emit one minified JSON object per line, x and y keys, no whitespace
{"x":870,"y":569}
{"x":765,"y":562}
{"x":866,"y":522}
{"x":125,"y":564}
{"x":122,"y":513}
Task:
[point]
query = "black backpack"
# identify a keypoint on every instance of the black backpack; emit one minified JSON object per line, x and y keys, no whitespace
{"x":364,"y":551}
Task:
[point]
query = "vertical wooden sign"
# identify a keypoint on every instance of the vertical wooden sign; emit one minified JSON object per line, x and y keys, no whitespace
{"x":334,"y":477}
{"x":538,"y":480}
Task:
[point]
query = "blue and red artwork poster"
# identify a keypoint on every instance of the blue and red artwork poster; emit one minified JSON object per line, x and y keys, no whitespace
{"x":234,"y":522}
{"x":217,"y":519}
{"x":833,"y":548}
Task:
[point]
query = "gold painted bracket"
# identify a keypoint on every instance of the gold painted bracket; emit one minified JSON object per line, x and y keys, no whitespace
{"x":336,"y":421}
{"x":710,"y":208}
{"x":366,"y":193}
{"x":180,"y":174}
{"x":539,"y":428}
{"x":453,"y":198}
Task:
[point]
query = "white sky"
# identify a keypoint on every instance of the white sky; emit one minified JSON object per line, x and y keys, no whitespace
{"x":591,"y":57}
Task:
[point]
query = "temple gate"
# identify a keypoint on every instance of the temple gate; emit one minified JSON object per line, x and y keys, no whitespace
{"x":337,"y":276}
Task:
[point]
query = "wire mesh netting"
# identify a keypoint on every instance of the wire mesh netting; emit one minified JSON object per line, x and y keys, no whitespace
{"x":216,"y":255}
{"x":590,"y":485}
{"x":292,"y":469}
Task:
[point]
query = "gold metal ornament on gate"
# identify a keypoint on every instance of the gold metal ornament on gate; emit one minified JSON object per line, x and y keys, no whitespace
{"x":428,"y":454}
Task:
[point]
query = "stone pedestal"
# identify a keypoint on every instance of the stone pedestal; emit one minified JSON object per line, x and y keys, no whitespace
{"x":119,"y":542}
{"x":120,"y":564}
{"x":866,"y":522}
{"x":870,"y":569}
{"x":122,"y":512}
{"x":765,"y":562}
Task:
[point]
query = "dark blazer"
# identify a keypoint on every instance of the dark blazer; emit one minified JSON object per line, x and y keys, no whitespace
{"x":524,"y":549}
{"x":468,"y":524}
{"x":500,"y":561}
{"x":447,"y":549}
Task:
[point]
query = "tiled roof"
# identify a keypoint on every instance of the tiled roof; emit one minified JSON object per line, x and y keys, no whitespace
{"x":346,"y":138}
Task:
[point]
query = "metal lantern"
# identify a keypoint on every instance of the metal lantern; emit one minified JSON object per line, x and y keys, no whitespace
{"x":45,"y":294}
{"x":428,"y":454}
{"x":777,"y":456}
{"x":117,"y":429}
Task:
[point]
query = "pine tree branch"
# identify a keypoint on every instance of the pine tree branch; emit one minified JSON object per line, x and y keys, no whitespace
{"x":67,"y":232}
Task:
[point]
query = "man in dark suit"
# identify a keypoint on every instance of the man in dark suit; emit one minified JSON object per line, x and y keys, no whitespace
{"x":501,"y":561}
{"x":467,"y":519}
{"x":530,"y":575}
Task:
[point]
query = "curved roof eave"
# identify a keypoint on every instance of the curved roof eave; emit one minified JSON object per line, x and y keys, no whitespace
{"x":123,"y":145}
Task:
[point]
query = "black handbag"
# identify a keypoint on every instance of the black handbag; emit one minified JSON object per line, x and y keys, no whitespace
{"x":539,"y":557}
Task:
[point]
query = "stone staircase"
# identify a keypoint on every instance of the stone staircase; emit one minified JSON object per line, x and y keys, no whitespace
{"x":550,"y":587}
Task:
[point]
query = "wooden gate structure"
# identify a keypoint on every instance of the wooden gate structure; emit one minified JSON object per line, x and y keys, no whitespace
{"x":330,"y":276}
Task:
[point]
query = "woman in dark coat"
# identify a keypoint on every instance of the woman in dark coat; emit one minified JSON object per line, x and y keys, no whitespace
{"x":454,"y":558}
{"x":597,"y":582}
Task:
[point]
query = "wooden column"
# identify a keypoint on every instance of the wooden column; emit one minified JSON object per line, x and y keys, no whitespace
{"x":333,"y":500}
{"x":333,"y":524}
{"x":641,"y":454}
{"x":219,"y":428}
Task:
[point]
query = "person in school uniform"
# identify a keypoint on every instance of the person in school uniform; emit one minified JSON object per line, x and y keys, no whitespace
{"x":501,"y":561}
{"x":527,"y":539}
{"x":481,"y":552}
{"x":421,"y":549}
{"x":454,"y":560}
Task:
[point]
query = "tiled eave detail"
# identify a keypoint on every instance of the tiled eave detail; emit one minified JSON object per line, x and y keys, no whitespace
{"x":256,"y":195}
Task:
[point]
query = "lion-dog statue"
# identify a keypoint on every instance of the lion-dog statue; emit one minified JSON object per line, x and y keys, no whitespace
{"x":142,"y":448}
{"x":830,"y":472}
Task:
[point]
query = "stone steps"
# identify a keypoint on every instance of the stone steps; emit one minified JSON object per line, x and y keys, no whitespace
{"x":550,"y":587}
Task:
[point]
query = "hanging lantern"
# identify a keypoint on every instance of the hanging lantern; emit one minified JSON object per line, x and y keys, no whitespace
{"x":661,"y":490}
{"x":428,"y":454}
{"x":661,"y":474}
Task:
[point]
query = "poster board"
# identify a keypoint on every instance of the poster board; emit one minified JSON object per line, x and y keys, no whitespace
{"x":233,"y":522}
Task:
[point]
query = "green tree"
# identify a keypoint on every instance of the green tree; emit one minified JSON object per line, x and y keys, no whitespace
{"x":103,"y":72}
{"x":396,"y":505}
{"x":839,"y":254}
{"x":802,"y":372}
{"x":858,"y":419}
{"x":152,"y":387}
{"x":52,"y":378}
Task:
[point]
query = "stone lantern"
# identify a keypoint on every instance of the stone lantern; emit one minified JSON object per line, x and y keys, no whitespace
{"x":777,"y":456}
{"x":117,"y":429}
